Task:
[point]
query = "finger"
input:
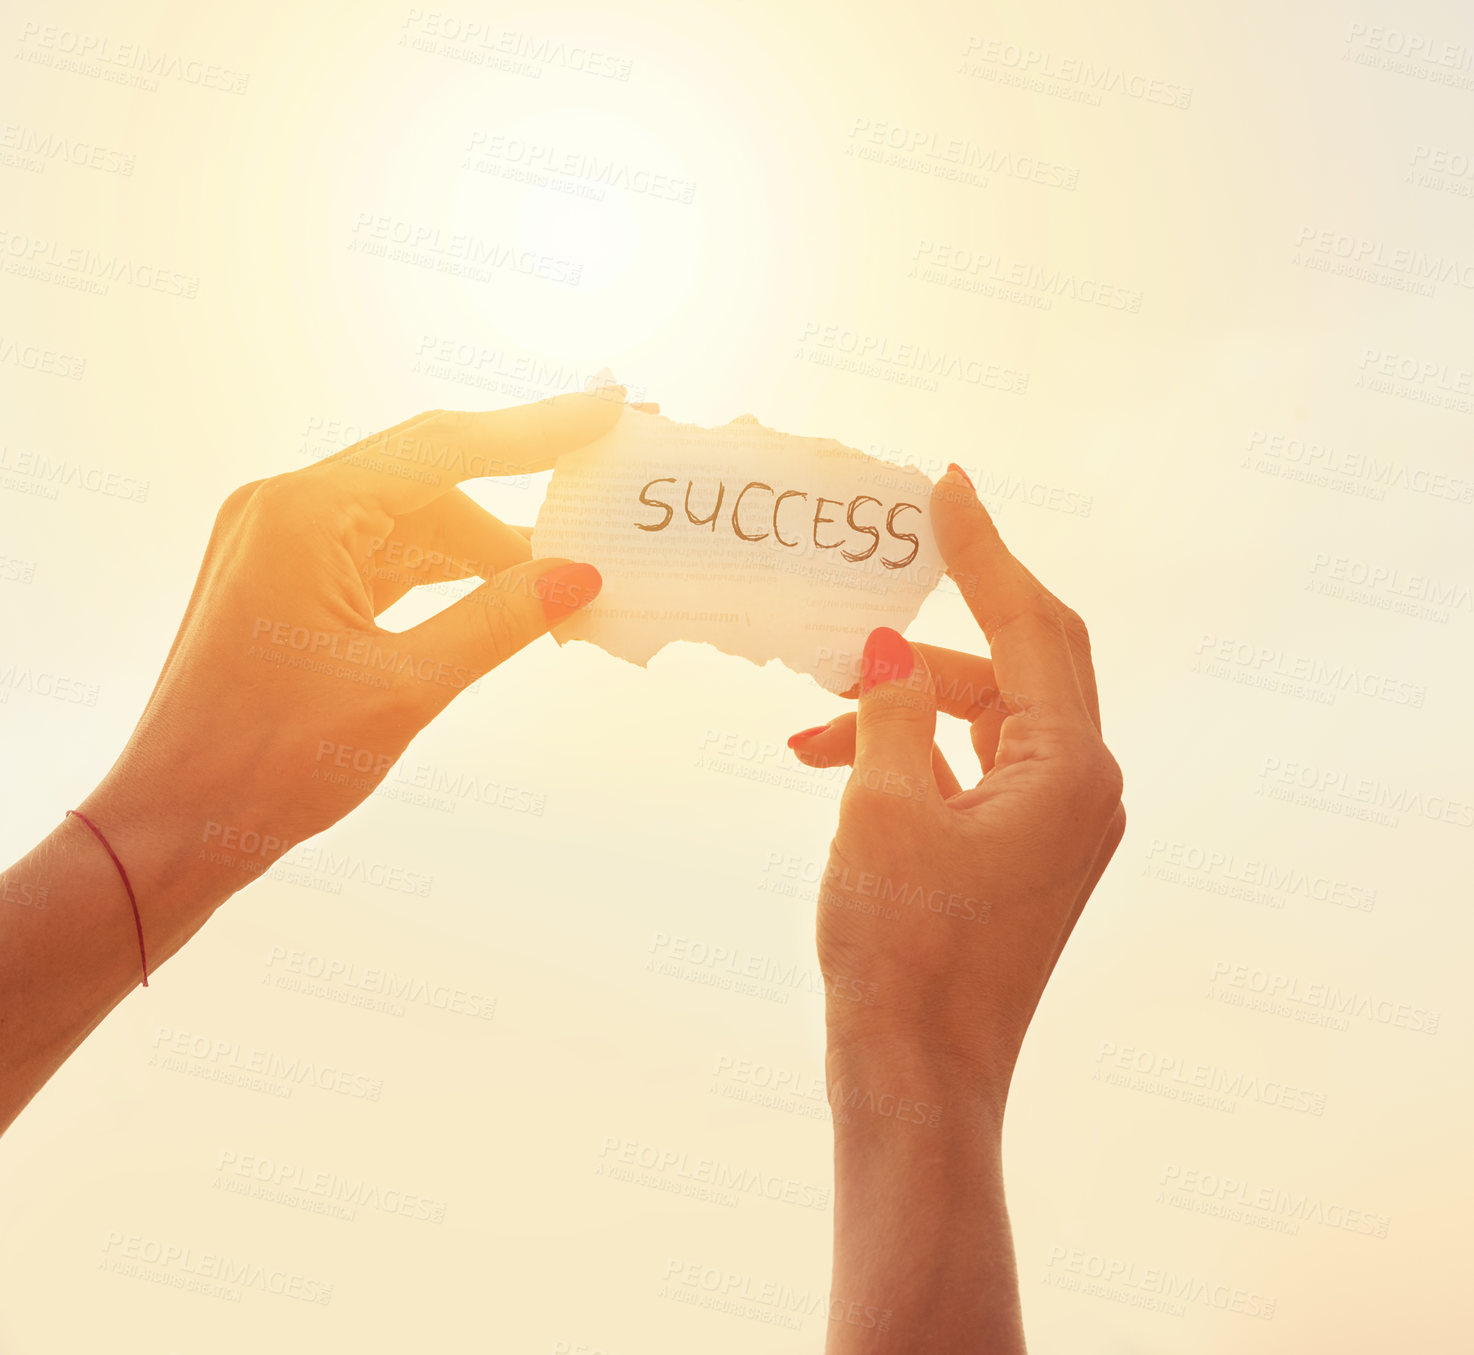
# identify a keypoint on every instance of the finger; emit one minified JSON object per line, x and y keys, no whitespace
{"x":452,"y":538}
{"x":965,"y":684}
{"x":506,"y":613}
{"x":959,"y":677}
{"x":647,"y":407}
{"x":407,"y":466}
{"x":1077,"y":637}
{"x":896,"y":720}
{"x":833,"y":745}
{"x":1030,"y":653}
{"x":942,"y":775}
{"x":1079,"y":642}
{"x":987,"y":729}
{"x":967,"y":687}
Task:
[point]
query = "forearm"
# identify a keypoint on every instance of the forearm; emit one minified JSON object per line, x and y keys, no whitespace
{"x":69,"y":950}
{"x":923,"y":1255}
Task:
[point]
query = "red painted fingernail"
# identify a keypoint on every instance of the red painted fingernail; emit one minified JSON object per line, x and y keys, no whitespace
{"x":964,"y":475}
{"x":803,"y":734}
{"x":566,"y":588}
{"x":887,"y":658}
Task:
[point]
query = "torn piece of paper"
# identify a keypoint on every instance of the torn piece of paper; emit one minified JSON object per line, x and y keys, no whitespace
{"x":764,"y":545}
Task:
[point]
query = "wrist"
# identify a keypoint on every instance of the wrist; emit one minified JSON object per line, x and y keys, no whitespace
{"x":921,"y":1238}
{"x":902,"y":1087}
{"x":176,"y":885}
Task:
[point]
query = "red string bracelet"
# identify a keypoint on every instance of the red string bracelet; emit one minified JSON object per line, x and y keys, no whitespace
{"x":127,"y":884}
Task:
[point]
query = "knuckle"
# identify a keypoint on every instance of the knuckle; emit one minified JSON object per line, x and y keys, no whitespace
{"x":236,"y":501}
{"x":1031,"y":611}
{"x":496,"y":616}
{"x":969,"y":565}
{"x":897,"y":708}
{"x":297,"y":502}
{"x":277,"y":500}
{"x":1107,"y":777}
{"x":881,"y":794}
{"x":1097,"y":775}
{"x":1075,"y":628}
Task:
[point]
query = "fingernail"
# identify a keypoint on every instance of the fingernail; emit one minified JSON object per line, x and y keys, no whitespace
{"x":964,"y":475}
{"x":566,"y":588}
{"x":805,"y":734}
{"x":887,"y":658}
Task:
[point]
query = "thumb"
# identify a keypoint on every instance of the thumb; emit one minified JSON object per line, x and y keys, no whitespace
{"x":506,"y":613}
{"x":897,"y":718}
